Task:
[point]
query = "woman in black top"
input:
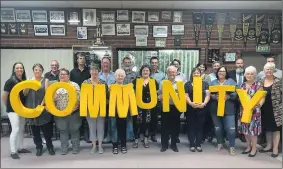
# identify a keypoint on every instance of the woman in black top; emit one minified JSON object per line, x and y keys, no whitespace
{"x":196,"y":113}
{"x":17,"y":122}
{"x":145,"y":116}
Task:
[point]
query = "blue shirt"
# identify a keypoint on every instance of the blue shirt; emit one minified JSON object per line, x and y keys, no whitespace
{"x":158,"y":76}
{"x":230,"y":108}
{"x":109,"y":79}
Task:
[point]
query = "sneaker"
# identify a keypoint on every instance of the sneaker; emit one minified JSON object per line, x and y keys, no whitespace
{"x":93,"y":150}
{"x":22,"y":151}
{"x":124,"y":150}
{"x":100,"y":150}
{"x":232,"y":151}
{"x":199,"y":149}
{"x":219,"y":147}
{"x":15,"y":156}
{"x":64,"y":152}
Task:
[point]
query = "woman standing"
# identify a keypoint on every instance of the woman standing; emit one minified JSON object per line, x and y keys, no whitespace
{"x":119,"y":125}
{"x":253,"y":129}
{"x":227,"y":122}
{"x":96,"y":125}
{"x":203,"y":69}
{"x":43,"y":122}
{"x":145,"y":116}
{"x":272,"y":109}
{"x":17,"y":122}
{"x":196,"y":113}
{"x":68,"y":125}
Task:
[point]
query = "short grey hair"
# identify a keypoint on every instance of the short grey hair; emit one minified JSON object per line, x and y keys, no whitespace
{"x":172,"y":68}
{"x":120,"y":71}
{"x":269,"y":65}
{"x":251,"y":69}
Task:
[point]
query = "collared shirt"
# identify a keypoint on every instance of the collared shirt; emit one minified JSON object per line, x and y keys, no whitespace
{"x":78,"y":76}
{"x":174,"y":84}
{"x":238,"y":77}
{"x":277,"y":73}
{"x":158,"y":76}
{"x":212,"y":77}
{"x":109,"y":79}
{"x":181,"y":77}
{"x":62,"y":97}
{"x":51,"y":77}
{"x":130,"y":76}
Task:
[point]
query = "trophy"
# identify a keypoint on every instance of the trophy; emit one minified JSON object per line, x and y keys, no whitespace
{"x":4,"y":28}
{"x":98,"y":35}
{"x":23,"y":30}
{"x":13,"y":29}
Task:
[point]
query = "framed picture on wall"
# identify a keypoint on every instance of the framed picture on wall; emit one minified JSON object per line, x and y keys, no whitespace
{"x":138,"y":16}
{"x":229,"y":57}
{"x":57,"y":16}
{"x":178,"y":29}
{"x":122,"y":15}
{"x":107,"y":16}
{"x":82,"y":33}
{"x":177,"y":16}
{"x":89,"y":17}
{"x":23,"y":16}
{"x":160,"y":31}
{"x":108,"y":29}
{"x":123,"y":29}
{"x":40,"y":30}
{"x":57,"y":30}
{"x":141,"y":30}
{"x":153,"y":16}
{"x":7,"y":15}
{"x":39,"y":16}
{"x":74,"y":18}
{"x":166,"y":15}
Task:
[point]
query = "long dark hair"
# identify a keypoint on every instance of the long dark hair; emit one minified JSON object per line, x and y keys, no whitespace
{"x":143,"y":67}
{"x":227,"y":76}
{"x":192,"y":73}
{"x":14,"y":77}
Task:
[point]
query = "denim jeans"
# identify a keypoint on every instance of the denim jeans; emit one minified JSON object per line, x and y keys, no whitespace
{"x":130,"y":132}
{"x":227,"y":124}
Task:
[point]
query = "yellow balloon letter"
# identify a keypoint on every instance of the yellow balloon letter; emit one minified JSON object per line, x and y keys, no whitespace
{"x":16,"y":103}
{"x":249,"y":104}
{"x":93,"y":100}
{"x":153,"y":94}
{"x":197,"y":90}
{"x":179,"y":99}
{"x":49,"y":98}
{"x":221,"y":90}
{"x":121,"y":99}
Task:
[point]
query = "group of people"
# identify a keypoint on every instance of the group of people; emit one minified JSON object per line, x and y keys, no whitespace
{"x":201,"y":119}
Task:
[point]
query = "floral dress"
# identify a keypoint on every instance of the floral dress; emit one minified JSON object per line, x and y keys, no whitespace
{"x":254,"y":127}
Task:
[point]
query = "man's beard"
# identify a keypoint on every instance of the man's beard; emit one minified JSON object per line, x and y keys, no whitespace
{"x":239,"y":70}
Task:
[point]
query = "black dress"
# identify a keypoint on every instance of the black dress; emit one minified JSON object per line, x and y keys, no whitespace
{"x":267,"y":114}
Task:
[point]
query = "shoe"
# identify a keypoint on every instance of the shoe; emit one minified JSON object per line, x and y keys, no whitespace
{"x":124,"y":150}
{"x":192,"y":149}
{"x":51,"y":151}
{"x":178,"y":140}
{"x":252,"y":155}
{"x":209,"y":139}
{"x":153,"y":139}
{"x":15,"y":156}
{"x":199,"y":149}
{"x":274,"y":155}
{"x":22,"y":151}
{"x":115,"y":150}
{"x":175,"y":149}
{"x":232,"y":151}
{"x":100,"y":150}
{"x":146,"y":145}
{"x":64,"y":152}
{"x":93,"y":150}
{"x":219,"y":147}
{"x":246,"y":152}
{"x":163,"y":149}
{"x":39,"y":152}
{"x":265,"y":151}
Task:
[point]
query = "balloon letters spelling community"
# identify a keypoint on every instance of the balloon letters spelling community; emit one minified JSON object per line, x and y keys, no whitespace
{"x":125,"y":99}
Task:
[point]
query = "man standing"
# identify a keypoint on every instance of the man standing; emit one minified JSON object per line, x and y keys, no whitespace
{"x":169,"y":120}
{"x":277,"y":73}
{"x":238,"y":76}
{"x":109,"y":77}
{"x":78,"y":75}
{"x":158,"y":76}
{"x":130,"y":76}
{"x":212,"y":76}
{"x":53,"y":75}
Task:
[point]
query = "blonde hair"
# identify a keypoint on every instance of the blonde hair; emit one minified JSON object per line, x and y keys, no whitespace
{"x":269,"y":65}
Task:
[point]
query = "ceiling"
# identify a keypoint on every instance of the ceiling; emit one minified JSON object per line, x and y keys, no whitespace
{"x":135,"y":4}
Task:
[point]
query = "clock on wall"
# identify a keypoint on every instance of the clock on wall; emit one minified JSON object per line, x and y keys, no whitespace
{"x":229,"y":57}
